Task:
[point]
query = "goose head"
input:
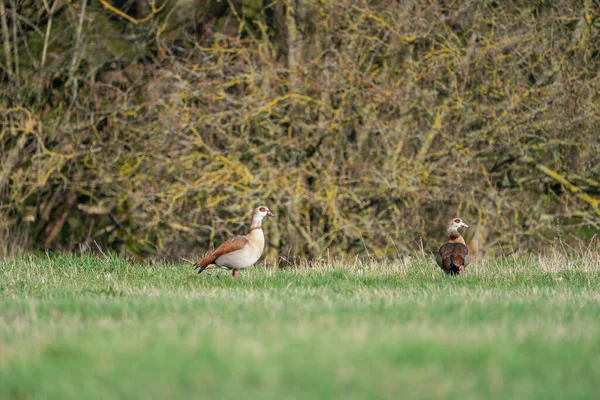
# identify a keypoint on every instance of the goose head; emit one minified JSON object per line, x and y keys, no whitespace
{"x":456,"y":223}
{"x":262,"y":211}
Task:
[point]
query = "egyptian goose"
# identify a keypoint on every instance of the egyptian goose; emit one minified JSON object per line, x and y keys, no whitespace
{"x":453,"y":256}
{"x":240,"y":252}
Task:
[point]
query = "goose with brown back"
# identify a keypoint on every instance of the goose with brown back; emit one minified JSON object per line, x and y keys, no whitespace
{"x":241,"y":252}
{"x":453,"y":257}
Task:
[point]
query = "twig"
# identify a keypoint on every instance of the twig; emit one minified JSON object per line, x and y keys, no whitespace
{"x":75,"y":60}
{"x":292,"y":36}
{"x":50,"y":11}
{"x":15,"y":43}
{"x":129,"y":18}
{"x":577,"y":191}
{"x":6,"y":36}
{"x":10,"y":160}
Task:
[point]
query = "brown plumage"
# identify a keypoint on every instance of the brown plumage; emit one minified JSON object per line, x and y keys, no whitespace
{"x":237,"y":243}
{"x":453,"y":256}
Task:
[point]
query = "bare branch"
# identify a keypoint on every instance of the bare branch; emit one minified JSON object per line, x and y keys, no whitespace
{"x":50,"y":11}
{"x":6,"y":37}
{"x":15,"y":42}
{"x":129,"y":18}
{"x":75,"y":61}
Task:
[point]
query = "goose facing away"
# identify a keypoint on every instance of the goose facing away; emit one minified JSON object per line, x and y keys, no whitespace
{"x":239,"y":252}
{"x":453,"y":256}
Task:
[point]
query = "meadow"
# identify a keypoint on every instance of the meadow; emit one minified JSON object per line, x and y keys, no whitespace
{"x":104,"y":327}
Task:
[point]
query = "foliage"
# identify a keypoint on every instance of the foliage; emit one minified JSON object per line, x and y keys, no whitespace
{"x":156,"y":127}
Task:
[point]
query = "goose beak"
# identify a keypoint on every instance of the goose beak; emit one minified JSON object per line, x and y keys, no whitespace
{"x":464,"y":225}
{"x":270,"y":214}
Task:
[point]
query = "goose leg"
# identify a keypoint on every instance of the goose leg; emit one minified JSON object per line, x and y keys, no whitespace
{"x":235,"y":273}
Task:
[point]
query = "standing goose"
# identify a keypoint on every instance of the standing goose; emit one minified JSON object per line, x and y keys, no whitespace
{"x":240,"y":252}
{"x":453,"y":256}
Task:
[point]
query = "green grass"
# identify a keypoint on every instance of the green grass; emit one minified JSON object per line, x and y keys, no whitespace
{"x":102,"y":327}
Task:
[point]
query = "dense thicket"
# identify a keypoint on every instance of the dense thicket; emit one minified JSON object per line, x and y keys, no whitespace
{"x":155,"y":127}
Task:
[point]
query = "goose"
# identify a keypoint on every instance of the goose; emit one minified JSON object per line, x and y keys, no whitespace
{"x":453,"y":256}
{"x":239,"y":252}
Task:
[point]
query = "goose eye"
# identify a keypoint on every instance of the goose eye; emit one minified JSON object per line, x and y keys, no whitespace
{"x":262,"y":209}
{"x":457,"y":221}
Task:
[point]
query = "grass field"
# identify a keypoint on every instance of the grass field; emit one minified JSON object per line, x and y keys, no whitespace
{"x":102,"y":327}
